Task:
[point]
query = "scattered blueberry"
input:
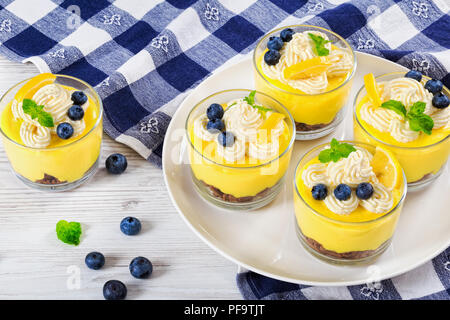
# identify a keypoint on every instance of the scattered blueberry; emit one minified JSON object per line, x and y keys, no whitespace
{"x":116,"y":163}
{"x":214,"y":111}
{"x":414,"y":74}
{"x":275,"y":43}
{"x":364,"y":190}
{"x":342,"y":192}
{"x":434,"y":86}
{"x":79,"y":98}
{"x":114,"y":290}
{"x":95,"y":260}
{"x":215,"y":125}
{"x":440,"y":101}
{"x":272,"y":57}
{"x":75,"y":113}
{"x":286,"y":34}
{"x":226,"y":138}
{"x":141,"y":268}
{"x":319,"y":191}
{"x":64,"y":130}
{"x":130,"y":226}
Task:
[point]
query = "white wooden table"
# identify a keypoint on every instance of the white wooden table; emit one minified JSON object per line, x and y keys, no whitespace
{"x":34,"y":264}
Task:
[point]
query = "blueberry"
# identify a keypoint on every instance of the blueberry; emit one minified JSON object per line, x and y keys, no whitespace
{"x":214,"y":111}
{"x":114,"y":290}
{"x":141,"y":268}
{"x":319,"y":191}
{"x":75,"y":113}
{"x":79,"y":98}
{"x":64,"y":130}
{"x":226,"y":138}
{"x":434,"y":86}
{"x":364,"y":190}
{"x":342,"y":192}
{"x":272,"y":57}
{"x":130,"y":226}
{"x":275,"y":43}
{"x":95,"y":260}
{"x":215,"y":125}
{"x":414,"y":74}
{"x":440,"y":101}
{"x":286,"y":34}
{"x":116,"y":163}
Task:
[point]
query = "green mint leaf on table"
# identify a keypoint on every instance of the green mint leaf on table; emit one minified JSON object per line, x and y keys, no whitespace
{"x":396,"y":106}
{"x":251,"y":101}
{"x":319,"y":43}
{"x":336,"y":151}
{"x":68,"y":232}
{"x":30,"y":107}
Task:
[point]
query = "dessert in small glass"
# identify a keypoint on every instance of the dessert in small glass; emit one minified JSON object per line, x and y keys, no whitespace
{"x":408,"y":114}
{"x":348,"y":197}
{"x":310,"y":71}
{"x":240,"y":144}
{"x":51,"y":128}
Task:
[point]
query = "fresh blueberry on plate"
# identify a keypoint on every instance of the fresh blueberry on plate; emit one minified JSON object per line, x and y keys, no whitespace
{"x":440,"y":101}
{"x":364,"y":191}
{"x":342,"y":192}
{"x":79,"y":98}
{"x":130,"y":226}
{"x":64,"y":130}
{"x":434,"y":86}
{"x":114,"y":290}
{"x":319,"y":191}
{"x":275,"y":43}
{"x":414,"y":74}
{"x":75,"y":113}
{"x":116,"y":163}
{"x":272,"y":57}
{"x":95,"y":260}
{"x":226,"y":139}
{"x":286,"y":34}
{"x":214,"y":111}
{"x":141,"y":268}
{"x":215,"y":125}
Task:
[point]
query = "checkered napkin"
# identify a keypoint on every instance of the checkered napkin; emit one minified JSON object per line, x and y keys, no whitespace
{"x":143,"y":57}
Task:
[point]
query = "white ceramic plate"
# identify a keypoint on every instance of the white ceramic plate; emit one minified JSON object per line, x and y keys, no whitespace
{"x":264,"y":240}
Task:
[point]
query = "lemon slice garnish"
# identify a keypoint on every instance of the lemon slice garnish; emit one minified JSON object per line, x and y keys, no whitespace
{"x":372,"y":89}
{"x":307,"y":68}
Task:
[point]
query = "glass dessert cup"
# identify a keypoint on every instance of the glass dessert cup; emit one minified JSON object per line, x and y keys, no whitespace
{"x":58,"y":168}
{"x":315,"y":115}
{"x":241,"y":185}
{"x":421,"y":164}
{"x":338,"y":241}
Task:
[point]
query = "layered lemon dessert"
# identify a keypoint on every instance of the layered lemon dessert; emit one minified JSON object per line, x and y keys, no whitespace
{"x":307,"y":72}
{"x":240,"y":149}
{"x":348,"y":197}
{"x":408,"y":114}
{"x":51,"y":132}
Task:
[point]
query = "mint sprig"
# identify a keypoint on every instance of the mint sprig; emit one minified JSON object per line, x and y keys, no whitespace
{"x":336,"y":151}
{"x":250,"y":99}
{"x":319,"y":43}
{"x":68,"y":232}
{"x":30,"y":107}
{"x":418,"y":120}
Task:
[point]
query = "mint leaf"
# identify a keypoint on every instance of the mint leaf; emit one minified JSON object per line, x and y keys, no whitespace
{"x":68,"y":232}
{"x":325,"y":155}
{"x":396,"y":106}
{"x":251,"y":101}
{"x":417,"y":108}
{"x":336,"y":151}
{"x":261,"y":108}
{"x":319,"y":43}
{"x":30,"y":107}
{"x":420,"y":122}
{"x":344,"y":149}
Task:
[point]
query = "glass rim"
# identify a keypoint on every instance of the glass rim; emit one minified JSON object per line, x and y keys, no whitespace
{"x":385,"y":215}
{"x":381,"y":141}
{"x":99,"y":118}
{"x":289,"y":146}
{"x":349,"y":77}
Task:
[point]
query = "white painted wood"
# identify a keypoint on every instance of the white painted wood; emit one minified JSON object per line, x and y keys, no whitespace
{"x":35,"y":265}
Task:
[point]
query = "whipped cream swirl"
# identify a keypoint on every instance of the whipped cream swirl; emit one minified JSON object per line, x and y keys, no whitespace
{"x":301,"y":48}
{"x":243,"y":120}
{"x":201,"y":131}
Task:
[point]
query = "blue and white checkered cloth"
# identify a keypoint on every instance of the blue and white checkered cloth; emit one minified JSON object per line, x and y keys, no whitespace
{"x":143,"y":57}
